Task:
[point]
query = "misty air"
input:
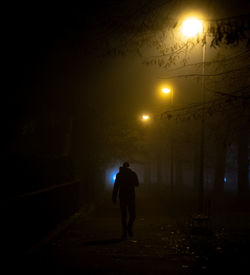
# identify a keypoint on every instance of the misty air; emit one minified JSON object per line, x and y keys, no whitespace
{"x":126,"y":137}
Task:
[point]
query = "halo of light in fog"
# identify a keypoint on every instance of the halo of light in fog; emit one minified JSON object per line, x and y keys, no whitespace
{"x":111,"y":176}
{"x":191,"y":27}
{"x":163,"y":90}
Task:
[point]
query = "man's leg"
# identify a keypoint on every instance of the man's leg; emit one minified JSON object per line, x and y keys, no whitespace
{"x":123,"y":209}
{"x":132,"y":215}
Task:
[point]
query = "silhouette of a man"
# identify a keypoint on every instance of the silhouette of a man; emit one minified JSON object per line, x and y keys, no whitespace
{"x":125,"y":183}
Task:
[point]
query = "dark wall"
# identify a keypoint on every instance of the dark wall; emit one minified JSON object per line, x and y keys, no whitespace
{"x":28,"y":218}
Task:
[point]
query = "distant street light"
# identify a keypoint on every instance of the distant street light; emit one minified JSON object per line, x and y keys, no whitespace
{"x":192,"y":27}
{"x":145,"y":117}
{"x":166,"y":90}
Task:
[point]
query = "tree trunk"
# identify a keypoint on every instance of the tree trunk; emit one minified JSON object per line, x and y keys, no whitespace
{"x":159,"y":168}
{"x":243,"y":184}
{"x":196,"y":169}
{"x":178,"y":170}
{"x":220,"y":166}
{"x":147,"y":174}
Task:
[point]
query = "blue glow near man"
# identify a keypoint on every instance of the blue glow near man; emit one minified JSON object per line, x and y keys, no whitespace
{"x":125,"y":183}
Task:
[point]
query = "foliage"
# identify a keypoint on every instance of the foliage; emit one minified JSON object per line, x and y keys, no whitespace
{"x":230,"y":31}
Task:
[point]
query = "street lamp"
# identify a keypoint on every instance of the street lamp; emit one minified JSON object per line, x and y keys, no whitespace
{"x":191,"y":27}
{"x":165,"y":90}
{"x":145,"y":117}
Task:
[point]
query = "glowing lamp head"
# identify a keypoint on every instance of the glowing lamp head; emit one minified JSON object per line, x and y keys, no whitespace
{"x":165,"y":90}
{"x":145,"y":117}
{"x":192,"y":27}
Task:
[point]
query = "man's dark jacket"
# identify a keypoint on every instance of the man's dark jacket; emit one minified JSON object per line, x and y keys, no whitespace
{"x":125,"y":183}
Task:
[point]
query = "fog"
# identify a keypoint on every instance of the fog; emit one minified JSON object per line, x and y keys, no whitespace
{"x":76,"y":84}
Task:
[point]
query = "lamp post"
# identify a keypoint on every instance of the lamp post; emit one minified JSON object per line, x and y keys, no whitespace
{"x":201,"y":185}
{"x":165,"y":91}
{"x":146,"y":119}
{"x":191,"y":27}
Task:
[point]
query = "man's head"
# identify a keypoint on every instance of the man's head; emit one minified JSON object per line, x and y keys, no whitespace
{"x":125,"y":164}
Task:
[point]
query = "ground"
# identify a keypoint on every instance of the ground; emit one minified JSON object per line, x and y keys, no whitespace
{"x":165,"y":242}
